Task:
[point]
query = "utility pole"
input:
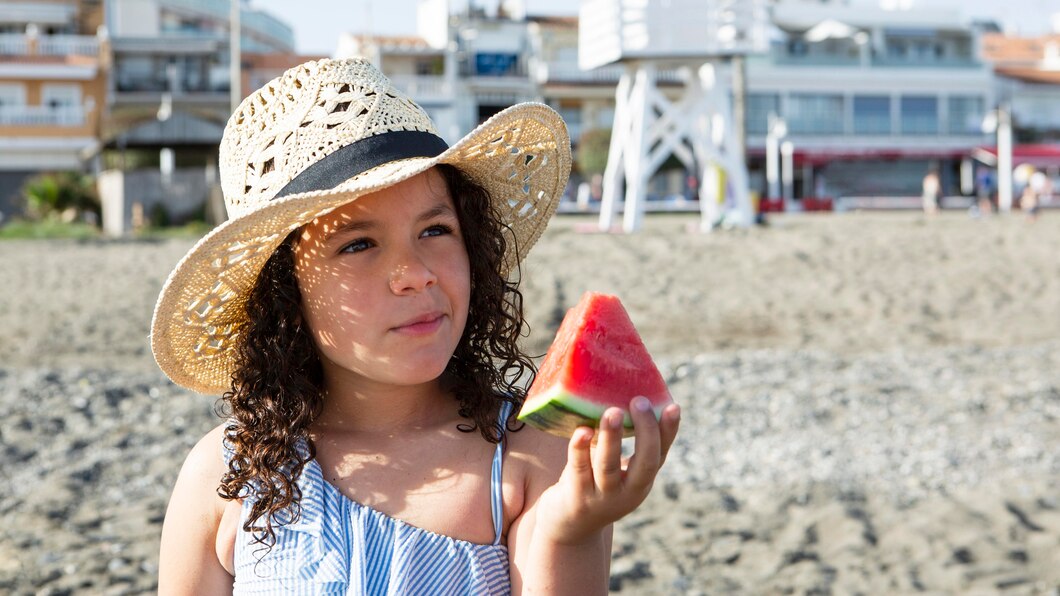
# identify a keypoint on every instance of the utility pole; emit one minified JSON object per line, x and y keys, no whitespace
{"x":235,"y":57}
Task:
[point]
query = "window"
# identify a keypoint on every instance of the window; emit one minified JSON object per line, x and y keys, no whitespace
{"x":759,"y":106}
{"x":965,"y":115}
{"x":605,"y":117}
{"x":430,"y":66}
{"x":815,"y":113}
{"x":920,"y":115}
{"x":496,"y":64}
{"x":12,"y":94}
{"x":872,"y":114}
{"x":572,"y":116}
{"x":60,"y":95}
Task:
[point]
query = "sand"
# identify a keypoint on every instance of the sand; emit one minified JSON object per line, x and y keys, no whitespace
{"x":872,"y":404}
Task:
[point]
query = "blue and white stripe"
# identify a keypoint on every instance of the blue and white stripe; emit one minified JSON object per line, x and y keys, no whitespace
{"x":338,"y":546}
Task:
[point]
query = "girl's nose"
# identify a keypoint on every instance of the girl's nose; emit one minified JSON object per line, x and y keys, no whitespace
{"x":410,"y":275}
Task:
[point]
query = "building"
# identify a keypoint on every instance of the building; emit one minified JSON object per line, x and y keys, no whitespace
{"x":871,"y":98}
{"x":461,"y":68}
{"x":170,"y":84}
{"x":169,"y":98}
{"x":1028,"y":71}
{"x":54,"y":66}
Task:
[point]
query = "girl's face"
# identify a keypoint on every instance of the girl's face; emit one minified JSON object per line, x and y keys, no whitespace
{"x":385,"y":284}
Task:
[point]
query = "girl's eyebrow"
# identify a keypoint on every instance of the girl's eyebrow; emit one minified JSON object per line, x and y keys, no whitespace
{"x":360,"y":225}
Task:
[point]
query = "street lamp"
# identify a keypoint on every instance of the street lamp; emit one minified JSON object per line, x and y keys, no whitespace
{"x":776,"y":129}
{"x":1000,"y":121}
{"x":787,"y":174}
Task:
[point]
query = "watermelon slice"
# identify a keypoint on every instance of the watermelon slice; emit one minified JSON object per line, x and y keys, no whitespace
{"x":596,"y":361}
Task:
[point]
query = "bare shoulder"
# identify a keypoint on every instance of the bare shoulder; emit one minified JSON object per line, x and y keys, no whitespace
{"x":188,"y":561}
{"x":206,"y":459}
{"x":539,"y":455}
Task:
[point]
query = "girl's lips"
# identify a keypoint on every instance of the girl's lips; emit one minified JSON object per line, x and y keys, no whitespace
{"x":421,"y":328}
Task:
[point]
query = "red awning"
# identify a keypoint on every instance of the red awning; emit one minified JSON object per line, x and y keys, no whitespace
{"x":824,"y":156}
{"x":1040,"y":155}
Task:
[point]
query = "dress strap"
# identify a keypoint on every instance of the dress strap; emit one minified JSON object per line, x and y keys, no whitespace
{"x":496,"y":476}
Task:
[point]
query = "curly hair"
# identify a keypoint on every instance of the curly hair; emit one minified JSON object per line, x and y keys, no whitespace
{"x":277,"y":386}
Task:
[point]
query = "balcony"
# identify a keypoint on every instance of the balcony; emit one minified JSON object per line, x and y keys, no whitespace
{"x":71,"y":116}
{"x":256,"y":21}
{"x":18,"y":44}
{"x":424,"y":88}
{"x":570,"y":73}
{"x":779,"y":55}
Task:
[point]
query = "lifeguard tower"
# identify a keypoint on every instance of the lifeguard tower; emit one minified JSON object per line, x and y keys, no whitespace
{"x":697,"y":38}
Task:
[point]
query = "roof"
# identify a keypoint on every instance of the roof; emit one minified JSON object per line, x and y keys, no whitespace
{"x":1003,"y":50}
{"x":394,"y":42}
{"x":276,"y":61}
{"x":802,"y":16}
{"x":554,"y":21}
{"x":1030,"y":74}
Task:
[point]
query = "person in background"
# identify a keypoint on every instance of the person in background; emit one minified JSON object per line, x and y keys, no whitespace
{"x":931,"y":191}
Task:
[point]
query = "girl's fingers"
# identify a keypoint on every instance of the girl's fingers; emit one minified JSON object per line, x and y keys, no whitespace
{"x":647,"y":456}
{"x":607,"y":464}
{"x":579,"y":464}
{"x":671,"y":420}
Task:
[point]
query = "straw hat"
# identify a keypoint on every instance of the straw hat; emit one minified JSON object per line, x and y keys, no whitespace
{"x":319,"y":136}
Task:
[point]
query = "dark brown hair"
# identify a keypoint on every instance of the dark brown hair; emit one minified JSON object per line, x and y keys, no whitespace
{"x":277,"y":386}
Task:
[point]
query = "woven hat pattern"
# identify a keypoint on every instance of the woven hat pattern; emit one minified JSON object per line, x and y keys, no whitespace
{"x":302,"y":116}
{"x":520,"y":156}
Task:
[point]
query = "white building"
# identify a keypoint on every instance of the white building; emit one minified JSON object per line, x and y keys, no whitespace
{"x":872,"y":98}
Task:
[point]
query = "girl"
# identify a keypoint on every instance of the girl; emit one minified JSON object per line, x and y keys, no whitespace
{"x":358,"y":316}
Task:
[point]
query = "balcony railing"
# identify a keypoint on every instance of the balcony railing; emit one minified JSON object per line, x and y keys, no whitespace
{"x":156,"y":85}
{"x":62,"y":45}
{"x":779,"y":56}
{"x":14,"y":44}
{"x":424,"y":87}
{"x":253,"y":20}
{"x":20,"y":44}
{"x":42,"y":116}
{"x":566,"y":72}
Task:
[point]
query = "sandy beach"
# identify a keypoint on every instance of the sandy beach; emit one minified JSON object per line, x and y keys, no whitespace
{"x":871,"y":404}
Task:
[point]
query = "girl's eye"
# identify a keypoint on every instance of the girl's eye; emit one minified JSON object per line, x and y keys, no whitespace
{"x":437,"y":230}
{"x":357,"y":245}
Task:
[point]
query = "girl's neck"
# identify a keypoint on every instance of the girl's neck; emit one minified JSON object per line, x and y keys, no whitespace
{"x":356,"y":405}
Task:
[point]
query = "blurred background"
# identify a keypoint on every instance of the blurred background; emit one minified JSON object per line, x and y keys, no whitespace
{"x":857,"y":99}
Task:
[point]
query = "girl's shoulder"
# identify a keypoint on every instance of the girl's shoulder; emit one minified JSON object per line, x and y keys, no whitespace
{"x":204,"y":467}
{"x":539,"y":456}
{"x":190,"y":553}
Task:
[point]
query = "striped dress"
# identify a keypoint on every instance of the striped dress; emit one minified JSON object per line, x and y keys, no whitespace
{"x":338,"y":546}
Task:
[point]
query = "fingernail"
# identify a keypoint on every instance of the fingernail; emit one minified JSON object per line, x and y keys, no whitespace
{"x":641,"y":404}
{"x":614,"y":421}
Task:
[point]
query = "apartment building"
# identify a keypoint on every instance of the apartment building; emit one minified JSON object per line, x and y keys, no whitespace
{"x":53,"y":75}
{"x":169,"y":98}
{"x":461,"y":68}
{"x":871,"y":98}
{"x":173,"y":55}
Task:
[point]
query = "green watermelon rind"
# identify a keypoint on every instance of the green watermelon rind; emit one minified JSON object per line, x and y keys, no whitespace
{"x":560,"y":412}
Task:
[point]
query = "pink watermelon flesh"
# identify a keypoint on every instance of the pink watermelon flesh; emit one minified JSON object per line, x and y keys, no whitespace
{"x":597,"y":361}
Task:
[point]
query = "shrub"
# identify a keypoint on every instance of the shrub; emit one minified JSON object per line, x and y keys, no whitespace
{"x":593,"y":147}
{"x":61,"y":195}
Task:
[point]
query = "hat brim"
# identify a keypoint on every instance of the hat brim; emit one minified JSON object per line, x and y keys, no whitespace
{"x":521,"y":156}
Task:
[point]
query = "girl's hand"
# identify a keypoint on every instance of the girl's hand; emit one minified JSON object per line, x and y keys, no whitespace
{"x":598,"y":487}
